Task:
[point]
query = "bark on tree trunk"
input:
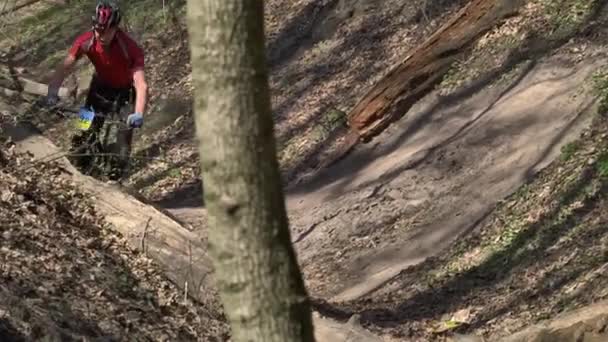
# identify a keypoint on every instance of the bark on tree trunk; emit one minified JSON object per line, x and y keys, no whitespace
{"x":413,"y":78}
{"x":249,"y":241}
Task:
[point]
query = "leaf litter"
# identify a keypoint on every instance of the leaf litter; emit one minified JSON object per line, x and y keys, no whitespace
{"x":65,"y":275}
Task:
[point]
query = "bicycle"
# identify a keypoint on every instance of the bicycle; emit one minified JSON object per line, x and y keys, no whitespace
{"x":95,"y":149}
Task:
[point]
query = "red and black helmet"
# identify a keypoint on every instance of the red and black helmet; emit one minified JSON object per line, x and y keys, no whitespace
{"x":107,"y":14}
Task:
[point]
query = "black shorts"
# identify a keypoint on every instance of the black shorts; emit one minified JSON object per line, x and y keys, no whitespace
{"x":99,"y":94}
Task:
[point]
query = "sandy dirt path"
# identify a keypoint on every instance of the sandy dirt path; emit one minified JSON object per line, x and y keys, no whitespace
{"x":430,"y":177}
{"x":434,"y":176}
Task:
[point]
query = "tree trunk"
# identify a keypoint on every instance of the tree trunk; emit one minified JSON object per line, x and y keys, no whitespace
{"x":425,"y":67}
{"x":249,"y":241}
{"x":12,"y":83}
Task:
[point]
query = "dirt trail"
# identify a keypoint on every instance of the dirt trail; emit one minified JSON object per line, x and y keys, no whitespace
{"x":433,"y":176}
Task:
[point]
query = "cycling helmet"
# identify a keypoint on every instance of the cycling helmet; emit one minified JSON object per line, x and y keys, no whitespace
{"x":107,"y":15}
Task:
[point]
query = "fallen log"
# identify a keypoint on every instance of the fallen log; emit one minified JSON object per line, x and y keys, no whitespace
{"x":180,"y":252}
{"x":35,"y":88}
{"x":13,"y":83}
{"x":425,"y":67}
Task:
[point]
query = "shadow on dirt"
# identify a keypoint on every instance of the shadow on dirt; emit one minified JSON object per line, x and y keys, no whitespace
{"x":319,"y":20}
{"x":315,"y":23}
{"x":328,"y":65}
{"x":299,"y":79}
{"x":188,"y":196}
{"x":429,"y":228}
{"x":431,"y":153}
{"x":346,"y":170}
{"x":533,"y":268}
{"x":287,"y":43}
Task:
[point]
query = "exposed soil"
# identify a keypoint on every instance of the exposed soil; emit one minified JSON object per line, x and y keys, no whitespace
{"x":434,"y":177}
{"x":323,"y":57}
{"x":541,"y":252}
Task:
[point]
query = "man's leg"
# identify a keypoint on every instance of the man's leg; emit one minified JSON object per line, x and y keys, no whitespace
{"x":124,"y":139}
{"x":79,"y":148}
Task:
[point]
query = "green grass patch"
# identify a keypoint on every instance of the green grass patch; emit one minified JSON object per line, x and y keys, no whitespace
{"x":552,"y":20}
{"x":569,"y":150}
{"x":602,"y":165}
{"x":174,"y":173}
{"x":564,"y":16}
{"x":600,"y":87}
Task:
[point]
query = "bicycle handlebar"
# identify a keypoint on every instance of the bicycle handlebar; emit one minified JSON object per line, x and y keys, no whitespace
{"x":61,"y":109}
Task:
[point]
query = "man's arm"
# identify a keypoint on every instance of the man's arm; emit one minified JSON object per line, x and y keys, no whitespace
{"x":139,"y":79}
{"x":141,"y":90}
{"x":62,"y":71}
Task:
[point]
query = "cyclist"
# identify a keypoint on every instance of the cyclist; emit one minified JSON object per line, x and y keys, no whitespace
{"x":119,"y":75}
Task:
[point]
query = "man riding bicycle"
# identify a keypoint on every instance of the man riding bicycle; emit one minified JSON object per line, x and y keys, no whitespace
{"x":119,"y":75}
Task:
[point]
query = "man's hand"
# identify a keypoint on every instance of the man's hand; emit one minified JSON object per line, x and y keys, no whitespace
{"x":62,"y":71}
{"x":135,"y":120}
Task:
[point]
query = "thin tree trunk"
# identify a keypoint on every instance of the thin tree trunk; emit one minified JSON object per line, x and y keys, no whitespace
{"x":249,"y":241}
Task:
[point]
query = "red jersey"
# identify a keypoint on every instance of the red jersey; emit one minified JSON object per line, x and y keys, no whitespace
{"x":113,"y":67}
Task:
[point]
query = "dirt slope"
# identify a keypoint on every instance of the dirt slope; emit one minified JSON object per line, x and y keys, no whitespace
{"x":323,"y":56}
{"x":439,"y":172}
{"x":400,"y":201}
{"x":392,"y":205}
{"x":587,"y":324}
{"x":541,"y":252}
